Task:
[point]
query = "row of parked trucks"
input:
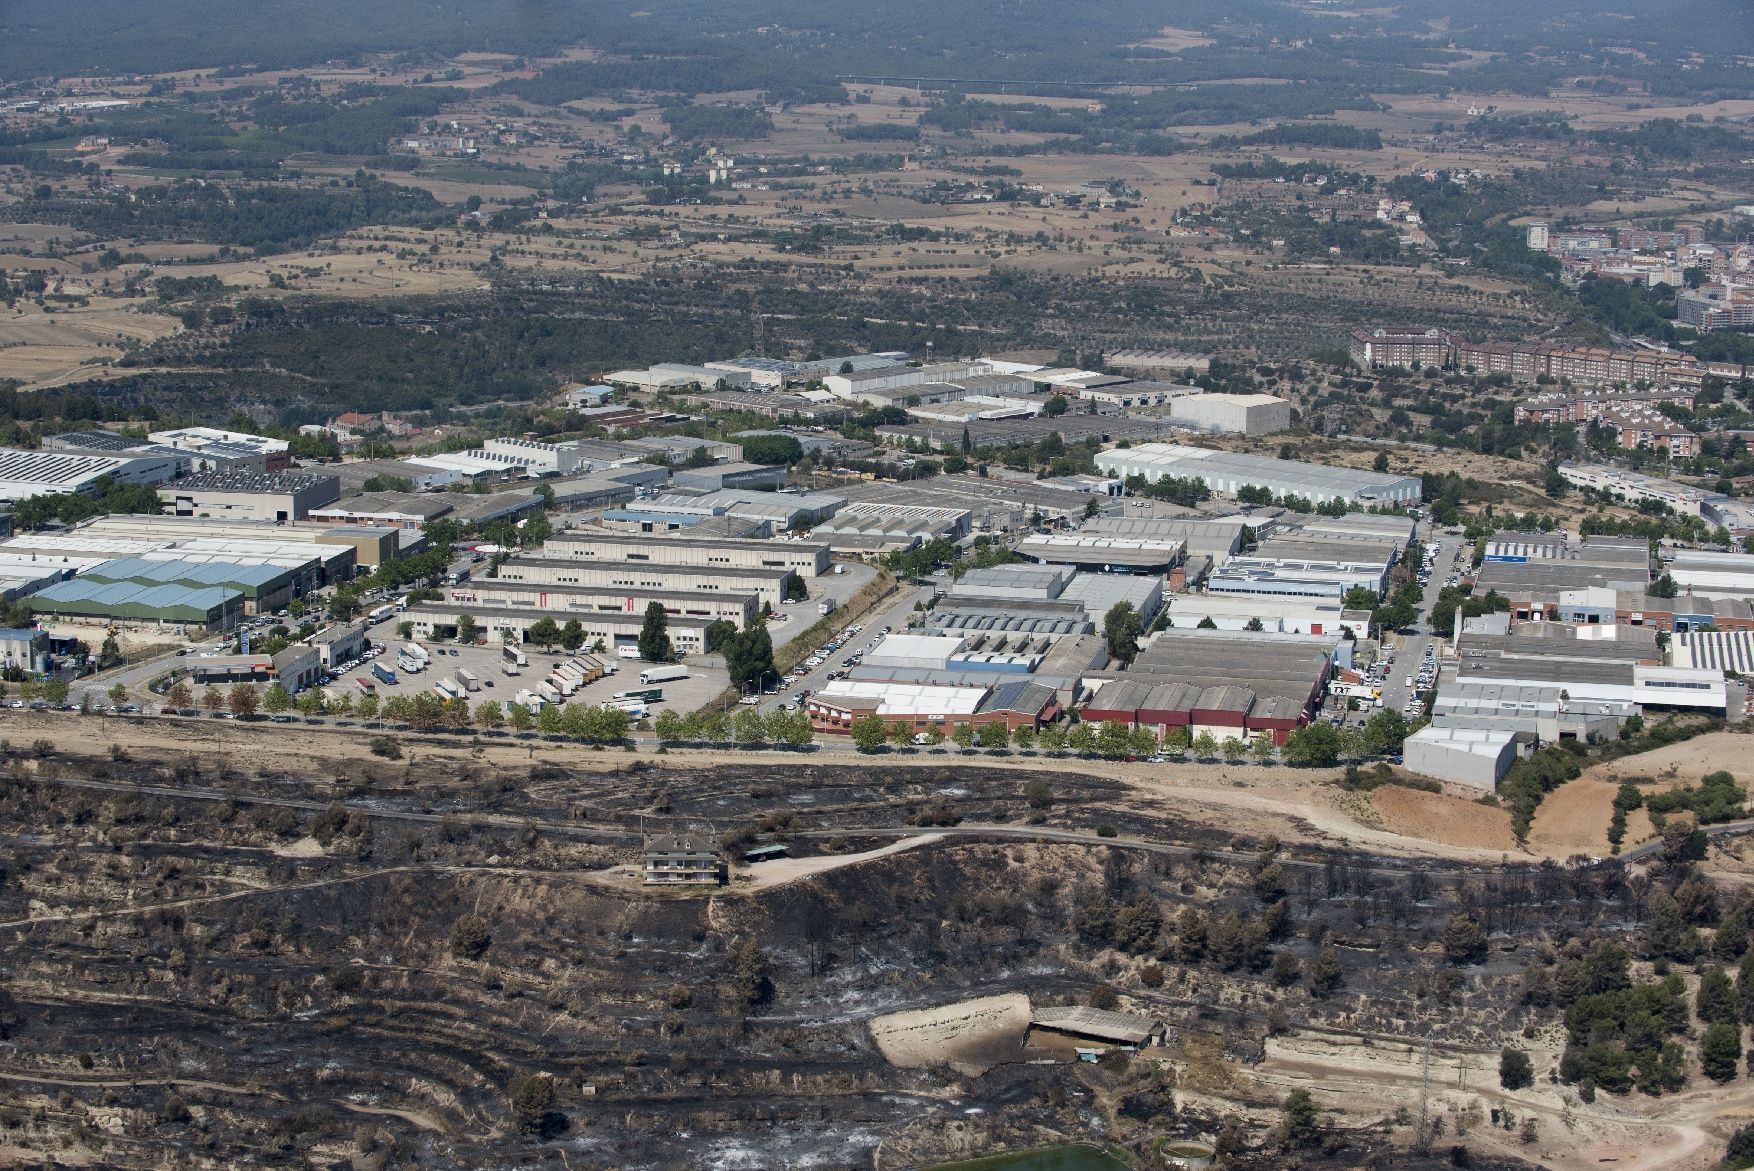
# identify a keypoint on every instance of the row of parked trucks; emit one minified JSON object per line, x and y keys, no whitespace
{"x":561,"y":683}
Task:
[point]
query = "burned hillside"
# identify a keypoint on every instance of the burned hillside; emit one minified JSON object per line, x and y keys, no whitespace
{"x":208,"y":970}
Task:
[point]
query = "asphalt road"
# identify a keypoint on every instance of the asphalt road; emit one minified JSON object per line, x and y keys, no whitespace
{"x":135,"y":677}
{"x":894,"y":613}
{"x":1411,"y":652}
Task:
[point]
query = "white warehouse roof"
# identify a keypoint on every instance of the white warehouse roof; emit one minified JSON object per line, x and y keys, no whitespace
{"x":1228,"y":471}
{"x":914,"y":699}
{"x":914,"y":646}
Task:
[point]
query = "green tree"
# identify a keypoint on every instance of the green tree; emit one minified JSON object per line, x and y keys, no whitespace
{"x":1464,"y":939}
{"x":772,"y":449}
{"x":532,"y":1098}
{"x":993,"y":735}
{"x":489,"y":714}
{"x":1205,"y":745}
{"x":749,"y":656}
{"x":1301,"y":1127}
{"x":1082,"y":738}
{"x":468,"y":630}
{"x":716,"y":633}
{"x":181,"y":694}
{"x":1716,"y":1001}
{"x":545,"y":632}
{"x":470,"y":938}
{"x":1113,"y":740}
{"x":520,"y":718}
{"x":1234,"y":749}
{"x":276,"y":699}
{"x":537,"y":529}
{"x":1720,"y":1051}
{"x":1261,"y":747}
{"x":1515,"y":1070}
{"x":869,"y":732}
{"x":1315,"y":744}
{"x":793,"y":728}
{"x":572,"y":635}
{"x":963,"y":735}
{"x":1052,"y":738}
{"x":668,"y":724}
{"x":55,"y":689}
{"x":748,"y":726}
{"x":1024,"y":737}
{"x":1121,"y":627}
{"x":1385,"y":730}
{"x":654,"y":635}
{"x":1740,"y":1154}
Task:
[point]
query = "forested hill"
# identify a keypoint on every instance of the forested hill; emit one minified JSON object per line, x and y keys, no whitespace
{"x":1035,"y":39}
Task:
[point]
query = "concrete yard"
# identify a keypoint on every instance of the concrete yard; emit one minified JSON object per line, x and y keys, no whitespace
{"x":706,"y":679}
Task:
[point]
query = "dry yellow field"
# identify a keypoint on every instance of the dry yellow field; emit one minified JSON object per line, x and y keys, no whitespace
{"x":47,"y":349}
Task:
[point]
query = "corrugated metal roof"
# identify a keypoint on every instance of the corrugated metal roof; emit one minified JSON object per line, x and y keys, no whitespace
{"x":1127,"y":1027}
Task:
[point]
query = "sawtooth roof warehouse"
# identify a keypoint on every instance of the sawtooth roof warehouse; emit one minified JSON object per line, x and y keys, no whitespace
{"x":1228,"y":472}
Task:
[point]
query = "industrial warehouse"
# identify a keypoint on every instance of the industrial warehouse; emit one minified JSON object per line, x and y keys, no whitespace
{"x":1228,"y":473}
{"x":606,"y":580}
{"x":1252,"y":613}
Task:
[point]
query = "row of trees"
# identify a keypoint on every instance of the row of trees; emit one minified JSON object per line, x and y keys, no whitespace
{"x":423,"y":711}
{"x":748,"y":726}
{"x":51,"y":690}
{"x":1317,"y":745}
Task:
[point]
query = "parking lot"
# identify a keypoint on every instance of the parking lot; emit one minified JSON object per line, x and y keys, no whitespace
{"x":793,"y":618}
{"x":833,"y":662}
{"x":706,"y":678}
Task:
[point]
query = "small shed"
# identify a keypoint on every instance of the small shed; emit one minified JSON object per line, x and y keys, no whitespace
{"x":1098,"y":1024}
{"x":766,"y":853}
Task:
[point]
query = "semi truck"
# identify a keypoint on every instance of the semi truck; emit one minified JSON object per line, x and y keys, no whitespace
{"x":378,"y":615}
{"x":384,"y":674}
{"x":663,"y":674}
{"x":415,"y":651}
{"x":530,"y":701}
{"x":642,"y":694}
{"x":633,"y":707}
{"x":562,"y":683}
{"x":409,"y":665}
{"x":447,"y":688}
{"x":468,"y":680}
{"x":547,"y":691}
{"x":514,"y":658}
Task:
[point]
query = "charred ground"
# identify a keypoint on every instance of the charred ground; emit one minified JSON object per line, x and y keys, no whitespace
{"x":209,"y":967}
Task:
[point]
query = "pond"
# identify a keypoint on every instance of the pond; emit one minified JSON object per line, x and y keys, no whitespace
{"x":1050,"y":1159}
